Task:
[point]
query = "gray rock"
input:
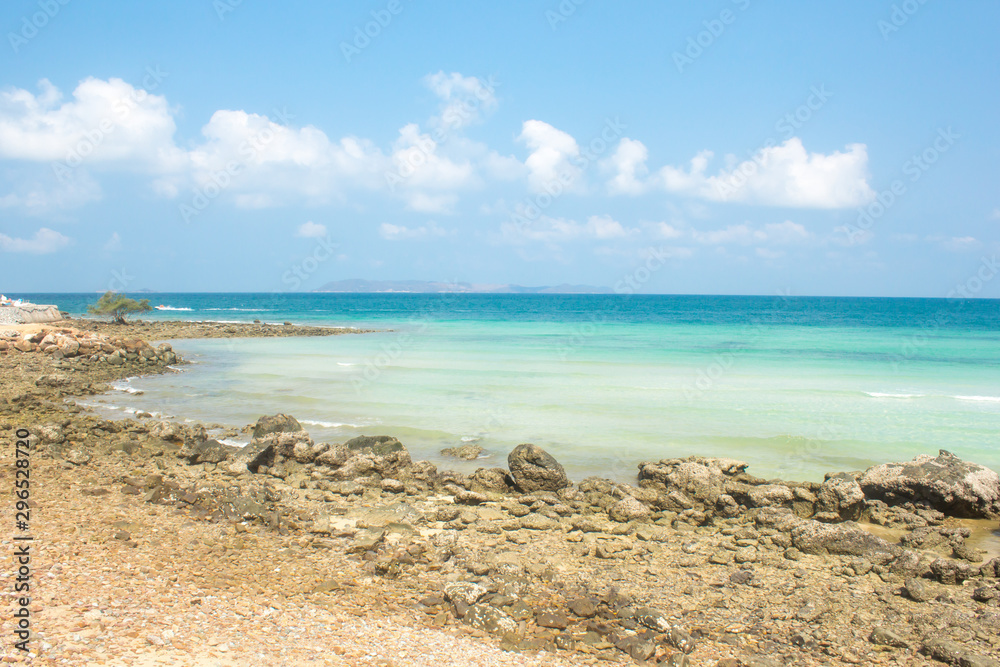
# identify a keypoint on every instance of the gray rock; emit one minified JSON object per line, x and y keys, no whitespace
{"x":841,"y":494}
{"x":917,"y":590}
{"x":949,"y":484}
{"x":206,"y":451}
{"x":467,"y":452}
{"x":884,"y":637}
{"x":628,"y":509}
{"x":490,"y":619}
{"x":279,"y":423}
{"x":813,"y":537}
{"x":497,"y":480}
{"x":533,"y":469}
{"x":467,"y":592}
{"x":380,"y":445}
{"x":464,"y":497}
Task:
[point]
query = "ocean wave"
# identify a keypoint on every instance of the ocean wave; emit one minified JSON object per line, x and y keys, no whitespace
{"x":876,"y":394}
{"x":172,"y":308}
{"x":344,"y":363}
{"x":982,"y":399}
{"x":123,"y":385}
{"x":326,"y":424}
{"x":243,"y":310}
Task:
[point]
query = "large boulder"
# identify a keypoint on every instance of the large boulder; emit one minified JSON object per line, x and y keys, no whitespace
{"x":534,"y":469}
{"x":279,"y":423}
{"x":206,"y":451}
{"x":841,"y":496}
{"x":946,"y":483}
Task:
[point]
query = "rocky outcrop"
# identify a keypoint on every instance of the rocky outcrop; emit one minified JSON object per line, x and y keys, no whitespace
{"x":945,"y":483}
{"x":534,"y":469}
{"x":813,"y":537}
{"x":279,"y":423}
{"x":69,"y":344}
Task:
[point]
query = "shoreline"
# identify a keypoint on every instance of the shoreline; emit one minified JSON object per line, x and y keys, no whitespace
{"x":596,"y":571}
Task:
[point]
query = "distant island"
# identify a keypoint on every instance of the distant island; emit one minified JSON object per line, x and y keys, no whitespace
{"x":427,"y":287}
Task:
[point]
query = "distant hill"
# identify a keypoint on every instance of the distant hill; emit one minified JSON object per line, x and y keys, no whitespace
{"x":426,"y":287}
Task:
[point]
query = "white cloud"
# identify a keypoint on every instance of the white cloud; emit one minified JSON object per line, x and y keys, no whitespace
{"x":628,"y":163}
{"x":311,"y":230}
{"x":956,"y":243}
{"x":996,"y":214}
{"x":784,"y":175}
{"x":44,"y":241}
{"x":767,"y":253}
{"x":36,"y":191}
{"x":464,"y":99}
{"x":667,"y":231}
{"x":557,"y":230}
{"x":552,"y":163}
{"x":106,"y":121}
{"x":392,"y":232}
{"x":114,"y":243}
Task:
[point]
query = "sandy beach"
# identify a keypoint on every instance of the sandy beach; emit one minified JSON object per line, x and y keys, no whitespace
{"x":155,"y":544}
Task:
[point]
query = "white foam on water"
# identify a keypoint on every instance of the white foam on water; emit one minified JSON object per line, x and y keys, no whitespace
{"x":233,"y":443}
{"x":876,"y":394}
{"x":311,"y":422}
{"x":982,"y":399}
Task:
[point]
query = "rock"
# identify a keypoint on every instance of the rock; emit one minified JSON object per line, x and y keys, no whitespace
{"x":392,"y":486}
{"x":628,"y":509}
{"x":279,"y":423}
{"x":813,"y":537}
{"x":206,"y":451}
{"x":949,"y":484}
{"x":954,"y":653}
{"x":884,"y":637}
{"x":467,"y":452}
{"x":78,"y":457}
{"x":841,"y":494}
{"x":533,"y":469}
{"x":496,"y":480}
{"x":24,"y":345}
{"x":55,"y":380}
{"x":550,"y":619}
{"x":466,"y":592}
{"x":490,"y":619}
{"x":695,"y":478}
{"x":258,"y":453}
{"x":380,"y":445}
{"x":952,"y":572}
{"x":538,"y":522}
{"x":917,"y":590}
{"x":464,"y":497}
{"x":583,"y":607}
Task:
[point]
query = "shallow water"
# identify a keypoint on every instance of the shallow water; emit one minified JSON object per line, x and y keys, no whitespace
{"x":606,"y":382}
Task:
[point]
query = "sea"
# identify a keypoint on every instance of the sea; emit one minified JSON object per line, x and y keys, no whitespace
{"x":794,"y":386}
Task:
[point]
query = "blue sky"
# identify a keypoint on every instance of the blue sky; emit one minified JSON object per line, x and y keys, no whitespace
{"x":732,"y":146}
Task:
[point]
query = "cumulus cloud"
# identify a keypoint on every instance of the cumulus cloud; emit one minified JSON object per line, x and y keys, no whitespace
{"x":105,"y":121}
{"x":554,"y":158}
{"x":45,"y":241}
{"x":392,"y":232}
{"x":311,"y":230}
{"x":785,"y":175}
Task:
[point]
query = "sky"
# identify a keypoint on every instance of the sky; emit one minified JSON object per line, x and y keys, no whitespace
{"x":720,"y":147}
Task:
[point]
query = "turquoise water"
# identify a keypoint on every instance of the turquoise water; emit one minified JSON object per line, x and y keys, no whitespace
{"x":796,"y":387}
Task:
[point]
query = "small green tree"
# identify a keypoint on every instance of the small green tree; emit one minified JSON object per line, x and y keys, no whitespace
{"x":118,"y":306}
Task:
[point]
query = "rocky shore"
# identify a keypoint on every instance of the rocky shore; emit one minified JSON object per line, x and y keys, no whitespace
{"x":160,"y":542}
